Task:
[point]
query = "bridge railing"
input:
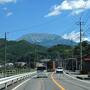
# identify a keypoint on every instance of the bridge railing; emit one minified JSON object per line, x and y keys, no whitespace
{"x":5,"y":82}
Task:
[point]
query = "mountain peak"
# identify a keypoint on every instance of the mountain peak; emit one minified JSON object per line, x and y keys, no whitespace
{"x":45,"y":39}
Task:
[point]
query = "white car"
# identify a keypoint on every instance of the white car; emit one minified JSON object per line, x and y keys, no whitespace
{"x":59,"y":70}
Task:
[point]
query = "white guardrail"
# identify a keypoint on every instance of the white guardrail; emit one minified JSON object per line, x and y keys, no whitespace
{"x":5,"y":82}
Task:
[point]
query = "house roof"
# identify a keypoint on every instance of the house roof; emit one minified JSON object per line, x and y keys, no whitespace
{"x":45,"y":60}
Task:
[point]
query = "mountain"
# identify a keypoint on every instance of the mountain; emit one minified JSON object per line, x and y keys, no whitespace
{"x":47,"y":40}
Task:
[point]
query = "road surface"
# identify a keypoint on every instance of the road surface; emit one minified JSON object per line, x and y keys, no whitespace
{"x":38,"y":84}
{"x":53,"y":82}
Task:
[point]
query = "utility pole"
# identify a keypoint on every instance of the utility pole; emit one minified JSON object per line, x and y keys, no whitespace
{"x":59,"y":60}
{"x":5,"y":54}
{"x":76,"y":64}
{"x":35,"y":59}
{"x":72,"y":60}
{"x":29,"y":64}
{"x":80,"y":44}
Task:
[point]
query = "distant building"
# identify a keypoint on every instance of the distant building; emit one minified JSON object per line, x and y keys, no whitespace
{"x":8,"y":65}
{"x":86,"y":63}
{"x":50,"y":64}
{"x":20,"y":64}
{"x":39,"y":64}
{"x":45,"y":60}
{"x":1,"y":66}
{"x":70,"y":64}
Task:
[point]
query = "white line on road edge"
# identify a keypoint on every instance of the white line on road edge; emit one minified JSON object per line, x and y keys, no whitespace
{"x":22,"y":83}
{"x":87,"y":88}
{"x":76,"y":78}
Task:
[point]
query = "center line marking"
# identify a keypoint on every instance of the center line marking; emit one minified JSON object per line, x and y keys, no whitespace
{"x":58,"y":84}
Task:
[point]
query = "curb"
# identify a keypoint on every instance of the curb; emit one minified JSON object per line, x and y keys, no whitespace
{"x":76,"y":78}
{"x":83,"y":78}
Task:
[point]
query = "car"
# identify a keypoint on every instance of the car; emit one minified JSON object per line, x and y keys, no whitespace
{"x":59,"y":70}
{"x":42,"y":72}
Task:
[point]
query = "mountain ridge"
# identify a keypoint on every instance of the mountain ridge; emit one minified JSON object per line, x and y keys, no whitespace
{"x":46,"y":39}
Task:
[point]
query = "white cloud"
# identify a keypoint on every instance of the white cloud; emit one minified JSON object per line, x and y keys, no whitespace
{"x":55,"y":13}
{"x":7,"y":11}
{"x":77,"y":12}
{"x":5,"y":8}
{"x":75,"y":36}
{"x":7,"y":1}
{"x":9,"y":14}
{"x":76,"y":6}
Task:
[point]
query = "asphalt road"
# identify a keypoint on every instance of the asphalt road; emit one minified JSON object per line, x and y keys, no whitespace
{"x":53,"y":82}
{"x":38,"y":84}
{"x":71,"y":84}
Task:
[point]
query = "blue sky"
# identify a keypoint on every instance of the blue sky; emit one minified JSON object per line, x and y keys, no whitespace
{"x":19,"y":17}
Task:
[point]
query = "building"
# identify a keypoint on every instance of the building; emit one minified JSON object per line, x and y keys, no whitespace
{"x":50,"y":64}
{"x":86,"y":64}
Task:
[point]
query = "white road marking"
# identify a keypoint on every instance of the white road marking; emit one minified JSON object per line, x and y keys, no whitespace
{"x":78,"y":85}
{"x":22,"y":83}
{"x":76,"y":78}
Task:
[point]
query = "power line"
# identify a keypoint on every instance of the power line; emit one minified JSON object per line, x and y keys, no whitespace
{"x":86,"y":16}
{"x":33,"y":26}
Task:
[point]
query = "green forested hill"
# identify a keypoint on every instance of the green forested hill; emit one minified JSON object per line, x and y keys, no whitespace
{"x":63,"y":51}
{"x":18,"y":51}
{"x":24,"y":51}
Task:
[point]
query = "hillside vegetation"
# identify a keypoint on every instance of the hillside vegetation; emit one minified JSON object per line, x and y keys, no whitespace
{"x":17,"y":51}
